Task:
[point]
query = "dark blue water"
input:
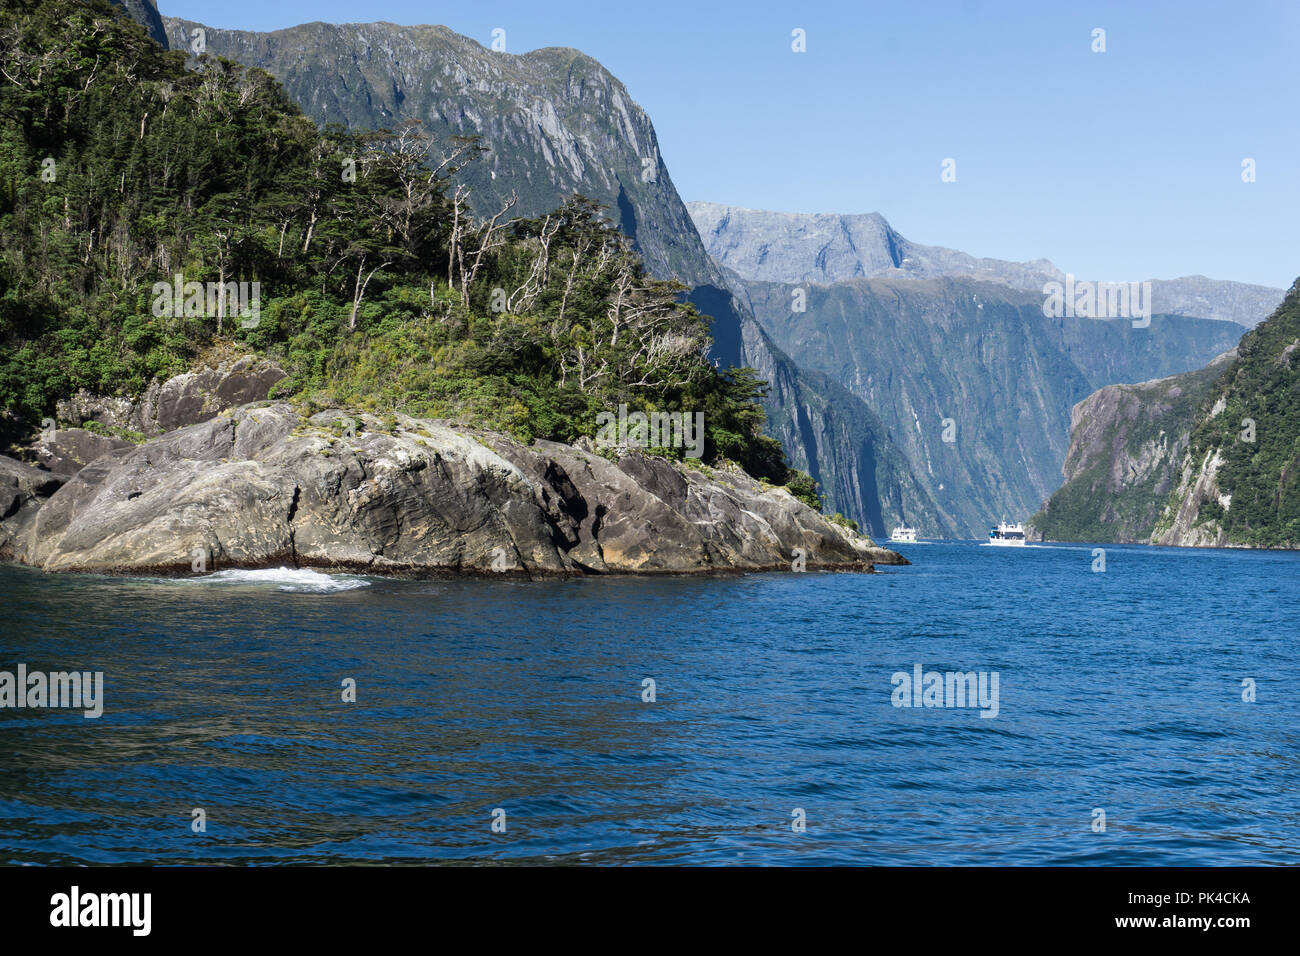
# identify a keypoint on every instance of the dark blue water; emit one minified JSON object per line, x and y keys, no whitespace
{"x":1119,"y":691}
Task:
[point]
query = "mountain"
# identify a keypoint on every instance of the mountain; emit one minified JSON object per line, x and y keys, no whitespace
{"x":1239,"y":484}
{"x":825,"y":248}
{"x":1127,"y":445}
{"x":555,"y":122}
{"x":1209,"y":458}
{"x":836,"y":438}
{"x":145,"y":13}
{"x":980,"y":362}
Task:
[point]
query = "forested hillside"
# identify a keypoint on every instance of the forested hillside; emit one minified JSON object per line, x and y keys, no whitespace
{"x":377,"y":287}
{"x":1127,"y":444}
{"x":1208,"y":458}
{"x":1240,"y":484}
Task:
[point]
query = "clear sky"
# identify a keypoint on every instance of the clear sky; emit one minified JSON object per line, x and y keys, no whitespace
{"x":1117,"y":166}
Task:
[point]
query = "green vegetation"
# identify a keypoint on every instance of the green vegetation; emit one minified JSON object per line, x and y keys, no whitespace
{"x":120,"y":169}
{"x":1247,"y":410}
{"x":1262,"y":385}
{"x":1083,"y":510}
{"x":839,"y":519}
{"x":1148,"y":422}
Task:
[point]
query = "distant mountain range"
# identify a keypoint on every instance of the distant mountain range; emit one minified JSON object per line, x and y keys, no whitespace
{"x":826,"y":248}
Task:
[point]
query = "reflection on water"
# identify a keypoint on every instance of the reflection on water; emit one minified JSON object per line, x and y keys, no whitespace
{"x":1119,"y":690}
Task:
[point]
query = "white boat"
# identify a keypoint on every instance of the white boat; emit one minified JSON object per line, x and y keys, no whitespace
{"x":903,"y":535}
{"x":1007,"y":535}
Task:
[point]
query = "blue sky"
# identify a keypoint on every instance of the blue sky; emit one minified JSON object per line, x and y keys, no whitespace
{"x":1117,"y":166}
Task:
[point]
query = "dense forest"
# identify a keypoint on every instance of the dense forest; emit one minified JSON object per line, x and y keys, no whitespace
{"x":121,"y":169}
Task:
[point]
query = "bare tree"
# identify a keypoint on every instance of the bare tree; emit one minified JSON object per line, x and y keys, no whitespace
{"x":359,"y":288}
{"x":487,"y":237}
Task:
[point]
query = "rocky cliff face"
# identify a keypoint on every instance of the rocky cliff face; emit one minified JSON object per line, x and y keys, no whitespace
{"x":555,"y":121}
{"x":824,"y":248}
{"x":1184,"y":522}
{"x":1210,"y":458}
{"x":1127,"y":448}
{"x":87,"y":426}
{"x":834,"y":436}
{"x":970,"y":379}
{"x":259,"y":485}
{"x":178,"y":401}
{"x":1239,"y":484}
{"x":23,"y":489}
{"x":145,"y":13}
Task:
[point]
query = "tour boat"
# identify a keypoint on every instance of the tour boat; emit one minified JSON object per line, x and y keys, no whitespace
{"x":903,"y":535}
{"x":1007,"y":535}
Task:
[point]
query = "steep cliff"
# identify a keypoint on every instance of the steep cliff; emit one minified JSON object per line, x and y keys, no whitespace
{"x":1239,"y":484}
{"x":835,"y":436}
{"x":1127,"y":446}
{"x":145,"y":13}
{"x":1209,"y":458}
{"x":970,"y":379}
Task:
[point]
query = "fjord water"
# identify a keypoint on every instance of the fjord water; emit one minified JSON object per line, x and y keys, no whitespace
{"x":1119,"y":691}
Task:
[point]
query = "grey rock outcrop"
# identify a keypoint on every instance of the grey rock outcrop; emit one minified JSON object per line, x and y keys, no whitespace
{"x":258,"y":485}
{"x":1181,"y":524}
{"x":145,"y":13}
{"x":1128,"y":446}
{"x":67,"y":450}
{"x":179,"y":401}
{"x":23,"y":489}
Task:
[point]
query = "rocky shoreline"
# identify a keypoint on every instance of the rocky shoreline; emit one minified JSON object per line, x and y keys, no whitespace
{"x":260,"y":484}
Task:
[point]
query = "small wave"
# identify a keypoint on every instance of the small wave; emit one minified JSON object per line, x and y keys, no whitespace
{"x":286,"y":579}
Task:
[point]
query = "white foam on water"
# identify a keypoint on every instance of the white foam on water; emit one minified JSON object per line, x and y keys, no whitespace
{"x":285,"y":579}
